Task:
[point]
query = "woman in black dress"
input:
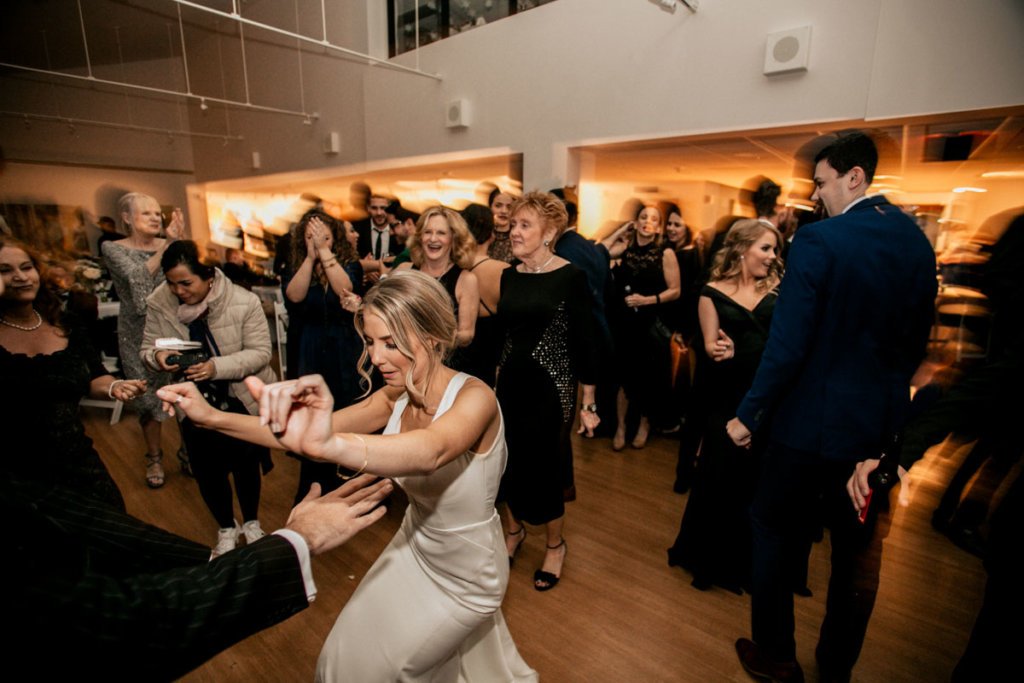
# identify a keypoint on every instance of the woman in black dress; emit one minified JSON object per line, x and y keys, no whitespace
{"x":646,"y":279}
{"x":48,"y":365}
{"x":735,"y":311}
{"x":685,"y":329}
{"x":545,"y":309}
{"x":442,"y":248}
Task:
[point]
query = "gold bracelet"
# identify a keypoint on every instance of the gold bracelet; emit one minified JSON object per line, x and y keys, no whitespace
{"x":366,"y":460}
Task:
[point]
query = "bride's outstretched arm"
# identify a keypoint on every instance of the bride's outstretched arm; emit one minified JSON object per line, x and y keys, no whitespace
{"x":368,"y":415}
{"x":296,"y":412}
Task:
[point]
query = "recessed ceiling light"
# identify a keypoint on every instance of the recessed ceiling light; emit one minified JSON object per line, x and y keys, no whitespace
{"x":961,"y":190}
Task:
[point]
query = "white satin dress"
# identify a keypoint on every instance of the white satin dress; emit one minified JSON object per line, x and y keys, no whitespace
{"x":429,"y":609}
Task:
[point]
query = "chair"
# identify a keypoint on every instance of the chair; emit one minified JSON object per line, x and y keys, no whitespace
{"x":116,"y":407}
{"x":281,"y":328}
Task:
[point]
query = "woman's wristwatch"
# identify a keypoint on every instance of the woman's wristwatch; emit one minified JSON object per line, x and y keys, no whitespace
{"x":589,"y":408}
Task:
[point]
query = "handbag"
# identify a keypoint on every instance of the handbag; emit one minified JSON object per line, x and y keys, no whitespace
{"x":660,"y":332}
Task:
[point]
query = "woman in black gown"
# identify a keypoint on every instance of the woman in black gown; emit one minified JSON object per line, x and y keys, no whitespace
{"x":735,"y":311}
{"x":48,"y":364}
{"x":646,"y":281}
{"x":545,"y":310}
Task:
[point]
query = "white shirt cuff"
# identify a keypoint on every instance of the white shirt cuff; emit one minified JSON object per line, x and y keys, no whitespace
{"x":302,"y":550}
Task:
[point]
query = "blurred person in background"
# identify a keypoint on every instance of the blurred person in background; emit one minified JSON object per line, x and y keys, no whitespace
{"x":685,"y":328}
{"x":134,"y":265}
{"x":646,"y":279}
{"x":501,"y":248}
{"x":480,"y":358}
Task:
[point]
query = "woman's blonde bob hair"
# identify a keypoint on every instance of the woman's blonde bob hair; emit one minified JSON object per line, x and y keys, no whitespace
{"x":413,"y":305}
{"x":463,"y":244}
{"x":741,"y":236}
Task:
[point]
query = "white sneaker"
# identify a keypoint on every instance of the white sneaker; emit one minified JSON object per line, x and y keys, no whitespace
{"x":227,"y":539}
{"x":252,"y":531}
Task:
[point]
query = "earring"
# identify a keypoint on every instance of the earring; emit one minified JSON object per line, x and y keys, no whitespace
{"x":547,"y":243}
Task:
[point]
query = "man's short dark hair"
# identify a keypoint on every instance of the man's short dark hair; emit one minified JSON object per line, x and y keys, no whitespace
{"x":854,"y":149}
{"x":403,"y":214}
{"x":766,"y":197}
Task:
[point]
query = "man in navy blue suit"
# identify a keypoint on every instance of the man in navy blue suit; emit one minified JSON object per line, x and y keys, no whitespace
{"x":849,"y":330}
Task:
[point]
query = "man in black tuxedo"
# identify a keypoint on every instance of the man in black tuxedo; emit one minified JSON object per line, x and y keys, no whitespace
{"x":849,"y":330}
{"x":91,"y":590}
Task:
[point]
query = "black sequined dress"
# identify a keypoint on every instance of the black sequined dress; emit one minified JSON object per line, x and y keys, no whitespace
{"x":549,"y":345}
{"x":43,"y":435}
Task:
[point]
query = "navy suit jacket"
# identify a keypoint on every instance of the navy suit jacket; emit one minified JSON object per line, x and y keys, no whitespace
{"x":849,"y":330}
{"x":91,"y":590}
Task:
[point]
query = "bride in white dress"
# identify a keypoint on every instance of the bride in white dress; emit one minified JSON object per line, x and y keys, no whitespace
{"x":429,"y":608}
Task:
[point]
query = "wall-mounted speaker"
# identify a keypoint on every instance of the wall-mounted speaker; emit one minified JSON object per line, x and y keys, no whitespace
{"x":457,"y":114}
{"x":332,"y":143}
{"x":787,"y":51}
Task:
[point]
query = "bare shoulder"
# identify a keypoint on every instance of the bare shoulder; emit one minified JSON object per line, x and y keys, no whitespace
{"x":475,"y":393}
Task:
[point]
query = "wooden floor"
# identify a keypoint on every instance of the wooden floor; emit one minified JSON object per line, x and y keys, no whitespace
{"x":620,"y":613}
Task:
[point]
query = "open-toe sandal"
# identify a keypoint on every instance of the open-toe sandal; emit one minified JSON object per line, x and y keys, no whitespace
{"x":545,"y":581}
{"x":515,"y":549}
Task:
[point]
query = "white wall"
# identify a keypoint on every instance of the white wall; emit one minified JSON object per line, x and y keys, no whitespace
{"x":575,"y":70}
{"x":329,"y":84}
{"x":567,"y":73}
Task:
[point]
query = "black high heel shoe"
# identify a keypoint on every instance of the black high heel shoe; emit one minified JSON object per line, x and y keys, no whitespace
{"x":545,"y":581}
{"x":515,"y":550}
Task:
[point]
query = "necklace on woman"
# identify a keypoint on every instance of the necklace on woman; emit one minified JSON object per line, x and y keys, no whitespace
{"x":541,"y":267}
{"x":24,"y":328}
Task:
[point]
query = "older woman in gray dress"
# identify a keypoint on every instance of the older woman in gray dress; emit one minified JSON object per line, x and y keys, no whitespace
{"x":134,"y":264}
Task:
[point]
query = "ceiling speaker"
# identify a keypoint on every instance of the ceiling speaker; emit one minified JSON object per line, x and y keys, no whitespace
{"x":457,"y":114}
{"x":787,"y":51}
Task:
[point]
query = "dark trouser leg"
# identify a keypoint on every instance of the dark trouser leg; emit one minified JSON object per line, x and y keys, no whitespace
{"x":210,"y":467}
{"x":245,"y":469}
{"x":784,"y":493}
{"x":856,"y":560}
